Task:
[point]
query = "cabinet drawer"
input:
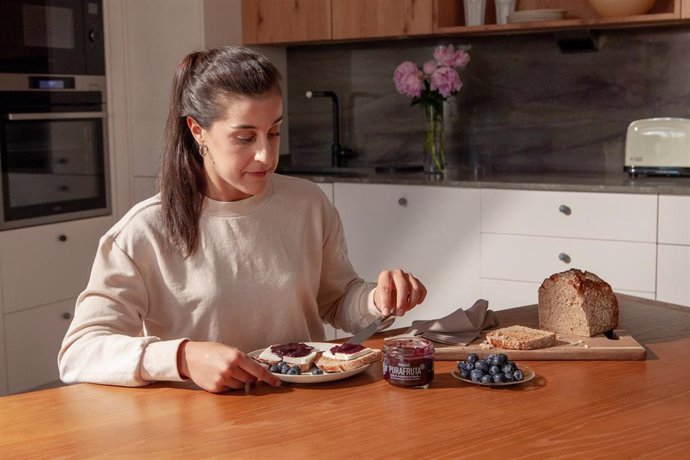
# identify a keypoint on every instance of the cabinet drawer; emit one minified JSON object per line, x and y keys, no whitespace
{"x":44,"y":264}
{"x":624,"y":265}
{"x":673,"y":282}
{"x":674,"y":219}
{"x":608,"y":216}
{"x":33,"y":340}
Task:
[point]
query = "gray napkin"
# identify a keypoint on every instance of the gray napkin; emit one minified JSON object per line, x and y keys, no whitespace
{"x":460,"y":327}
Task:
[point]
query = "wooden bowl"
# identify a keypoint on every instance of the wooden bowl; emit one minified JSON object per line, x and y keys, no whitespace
{"x":612,"y":8}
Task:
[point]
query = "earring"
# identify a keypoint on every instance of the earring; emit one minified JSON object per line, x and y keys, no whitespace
{"x":203,"y":150}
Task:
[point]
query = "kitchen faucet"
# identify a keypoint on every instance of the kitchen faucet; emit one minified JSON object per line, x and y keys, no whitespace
{"x":338,"y":153}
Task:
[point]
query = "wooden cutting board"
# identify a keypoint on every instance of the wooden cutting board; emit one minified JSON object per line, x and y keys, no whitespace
{"x":567,"y":347}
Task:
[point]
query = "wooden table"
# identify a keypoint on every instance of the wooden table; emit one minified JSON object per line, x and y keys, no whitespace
{"x":578,"y":409}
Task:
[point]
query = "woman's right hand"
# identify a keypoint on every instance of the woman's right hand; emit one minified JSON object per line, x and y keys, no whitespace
{"x":216,"y":367}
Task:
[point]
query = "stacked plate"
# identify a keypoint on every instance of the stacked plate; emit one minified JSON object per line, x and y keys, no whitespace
{"x":536,"y":15}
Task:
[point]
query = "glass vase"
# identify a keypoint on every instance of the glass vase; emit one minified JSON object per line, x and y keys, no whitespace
{"x":434,"y":148}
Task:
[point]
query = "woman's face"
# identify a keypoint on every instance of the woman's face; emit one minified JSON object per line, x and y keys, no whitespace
{"x":242,"y":147}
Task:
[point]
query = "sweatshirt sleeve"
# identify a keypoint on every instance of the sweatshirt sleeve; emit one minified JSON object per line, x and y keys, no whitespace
{"x":345,"y":300}
{"x":105,"y":342}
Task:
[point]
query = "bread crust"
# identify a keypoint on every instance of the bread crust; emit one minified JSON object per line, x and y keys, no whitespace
{"x":337,"y":365}
{"x":520,"y":338}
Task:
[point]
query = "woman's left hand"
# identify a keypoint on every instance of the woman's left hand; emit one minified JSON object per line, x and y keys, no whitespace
{"x":398,"y":292}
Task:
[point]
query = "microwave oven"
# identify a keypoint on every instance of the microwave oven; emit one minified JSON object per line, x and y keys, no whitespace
{"x":52,"y":37}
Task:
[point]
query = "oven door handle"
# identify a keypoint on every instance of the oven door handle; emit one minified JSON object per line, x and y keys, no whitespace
{"x":54,"y":116}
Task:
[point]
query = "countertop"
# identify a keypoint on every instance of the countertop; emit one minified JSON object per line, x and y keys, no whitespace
{"x":572,"y":409}
{"x":602,"y":183}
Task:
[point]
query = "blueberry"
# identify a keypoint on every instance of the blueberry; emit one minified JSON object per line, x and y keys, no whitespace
{"x":509,"y":377}
{"x":476,"y":375}
{"x":472,"y":358}
{"x":293,"y":371}
{"x":493,"y":370}
{"x":499,"y":378}
{"x":317,"y":371}
{"x":512,"y":363}
{"x":482,"y":366}
{"x":517,"y":375}
{"x":462,"y":365}
{"x":464,"y":374}
{"x":487,"y":378}
{"x":274,"y":368}
{"x":508,"y":369}
{"x":469,"y":366}
{"x":284,"y":365}
{"x":500,"y":360}
{"x":490,"y":358}
{"x":296,"y":369}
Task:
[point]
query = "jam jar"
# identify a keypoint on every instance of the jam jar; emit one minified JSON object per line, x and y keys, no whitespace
{"x":408,"y":361}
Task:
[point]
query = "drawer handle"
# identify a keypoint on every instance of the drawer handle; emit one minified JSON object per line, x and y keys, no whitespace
{"x":402,"y":201}
{"x":565,"y":209}
{"x":66,"y":315}
{"x":62,"y":238}
{"x":563,"y":257}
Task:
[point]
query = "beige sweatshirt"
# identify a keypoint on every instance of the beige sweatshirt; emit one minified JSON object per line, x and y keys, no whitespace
{"x":268,"y":269}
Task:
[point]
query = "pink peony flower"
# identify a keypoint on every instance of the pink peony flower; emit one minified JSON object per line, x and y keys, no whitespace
{"x":445,"y":80}
{"x":429,"y":67}
{"x":408,"y":79}
{"x":447,"y":56}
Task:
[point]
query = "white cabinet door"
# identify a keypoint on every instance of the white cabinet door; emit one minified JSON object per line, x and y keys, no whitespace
{"x":158,"y":34}
{"x":44,"y":264}
{"x":673,"y":282}
{"x":3,"y":363}
{"x":431,"y":232}
{"x":624,"y":265}
{"x":674,"y":219}
{"x":601,"y":216}
{"x":33,"y":341}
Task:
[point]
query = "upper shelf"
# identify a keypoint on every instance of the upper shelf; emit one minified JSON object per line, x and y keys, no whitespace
{"x":450,"y":17}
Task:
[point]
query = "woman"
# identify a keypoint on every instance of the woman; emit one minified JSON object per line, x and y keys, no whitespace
{"x":229,"y":257}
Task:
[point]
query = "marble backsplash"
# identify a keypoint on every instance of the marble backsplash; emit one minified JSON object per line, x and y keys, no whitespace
{"x":525,"y":105}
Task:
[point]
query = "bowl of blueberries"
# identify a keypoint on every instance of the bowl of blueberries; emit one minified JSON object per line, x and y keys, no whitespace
{"x":496,"y":370}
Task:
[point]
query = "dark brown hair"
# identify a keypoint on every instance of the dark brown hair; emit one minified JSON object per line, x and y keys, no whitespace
{"x":204,"y":84}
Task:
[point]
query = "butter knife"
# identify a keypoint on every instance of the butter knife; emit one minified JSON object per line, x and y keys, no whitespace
{"x":368,"y":331}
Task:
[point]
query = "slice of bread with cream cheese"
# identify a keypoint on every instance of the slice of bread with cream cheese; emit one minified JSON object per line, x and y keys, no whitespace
{"x":299,"y":354}
{"x":347,"y":357}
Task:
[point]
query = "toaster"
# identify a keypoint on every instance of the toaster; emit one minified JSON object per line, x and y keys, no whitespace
{"x":658,"y":146}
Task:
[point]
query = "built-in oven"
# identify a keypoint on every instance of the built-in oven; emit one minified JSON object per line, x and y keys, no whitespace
{"x":52,"y":37}
{"x":53,"y":149}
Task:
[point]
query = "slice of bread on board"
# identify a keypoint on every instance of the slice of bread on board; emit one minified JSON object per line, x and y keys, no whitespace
{"x":520,"y":338}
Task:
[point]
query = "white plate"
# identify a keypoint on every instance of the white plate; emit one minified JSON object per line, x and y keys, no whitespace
{"x":314,"y":378}
{"x":528,"y":374}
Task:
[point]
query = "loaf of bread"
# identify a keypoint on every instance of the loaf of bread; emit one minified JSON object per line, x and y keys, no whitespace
{"x":577,"y":303}
{"x":327,"y":364}
{"x":520,"y":338}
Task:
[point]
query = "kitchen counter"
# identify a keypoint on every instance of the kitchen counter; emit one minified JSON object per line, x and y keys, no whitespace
{"x":575,"y":409}
{"x":603,"y":183}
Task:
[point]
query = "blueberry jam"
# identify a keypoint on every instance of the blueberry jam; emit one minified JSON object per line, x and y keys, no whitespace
{"x":408,"y":361}
{"x":292,"y":350}
{"x":347,"y":348}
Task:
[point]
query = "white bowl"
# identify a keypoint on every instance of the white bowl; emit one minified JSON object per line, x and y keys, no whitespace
{"x":612,"y":8}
